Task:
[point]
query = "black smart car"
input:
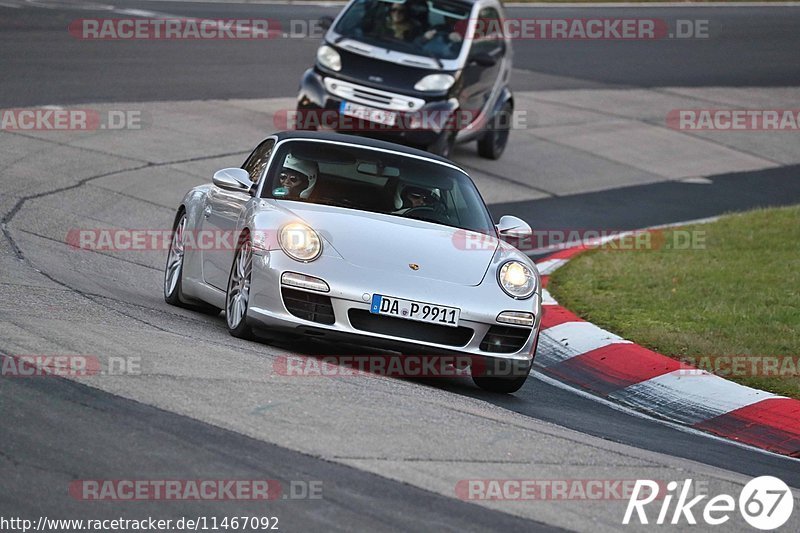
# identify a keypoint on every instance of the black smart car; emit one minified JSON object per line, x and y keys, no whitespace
{"x":425,"y":73}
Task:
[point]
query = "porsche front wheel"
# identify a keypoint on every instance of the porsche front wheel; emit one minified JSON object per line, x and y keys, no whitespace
{"x":503,"y":376}
{"x":237,"y":297}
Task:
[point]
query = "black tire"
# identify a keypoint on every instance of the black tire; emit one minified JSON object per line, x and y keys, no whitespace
{"x":501,"y":376}
{"x":444,"y":144}
{"x":304,"y":121}
{"x":493,"y":142}
{"x":173,"y":273}
{"x":239,"y":284}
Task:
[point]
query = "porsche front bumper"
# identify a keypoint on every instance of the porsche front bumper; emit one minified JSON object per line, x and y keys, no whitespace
{"x":349,"y":302}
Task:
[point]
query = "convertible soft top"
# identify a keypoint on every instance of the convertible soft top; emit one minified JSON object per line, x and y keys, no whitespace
{"x":359,"y":140}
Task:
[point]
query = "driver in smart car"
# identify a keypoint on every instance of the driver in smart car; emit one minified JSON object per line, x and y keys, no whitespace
{"x":443,"y":39}
{"x":297,"y":178}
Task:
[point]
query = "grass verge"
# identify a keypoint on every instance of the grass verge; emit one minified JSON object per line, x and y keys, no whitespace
{"x":734,"y":293}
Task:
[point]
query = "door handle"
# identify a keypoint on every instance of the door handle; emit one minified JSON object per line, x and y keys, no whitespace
{"x":207,"y":211}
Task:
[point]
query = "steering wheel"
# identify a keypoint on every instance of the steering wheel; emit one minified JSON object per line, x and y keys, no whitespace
{"x":430,"y":214}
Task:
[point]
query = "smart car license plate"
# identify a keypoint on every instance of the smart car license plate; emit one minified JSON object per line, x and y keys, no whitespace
{"x":380,"y":116}
{"x":411,"y":310}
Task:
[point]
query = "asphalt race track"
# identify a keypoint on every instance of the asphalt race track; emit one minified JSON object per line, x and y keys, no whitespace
{"x":388,"y":453}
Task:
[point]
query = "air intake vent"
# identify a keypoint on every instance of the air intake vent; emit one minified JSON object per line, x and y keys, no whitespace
{"x":504,"y":339}
{"x":308,"y":305}
{"x":409,"y":329}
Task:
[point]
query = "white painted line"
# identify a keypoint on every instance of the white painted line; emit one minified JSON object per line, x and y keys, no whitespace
{"x":706,"y":220}
{"x":139,"y":13}
{"x":689,"y":397}
{"x":547,"y":299}
{"x":647,"y":416}
{"x":550,"y":265}
{"x":651,"y":4}
{"x":333,"y":3}
{"x":697,"y":180}
{"x":565,"y":341}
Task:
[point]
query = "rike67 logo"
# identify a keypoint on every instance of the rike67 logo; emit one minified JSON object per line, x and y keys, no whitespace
{"x":765,"y":503}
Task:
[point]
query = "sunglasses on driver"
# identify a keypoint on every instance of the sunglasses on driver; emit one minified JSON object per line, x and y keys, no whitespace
{"x":291,"y":178}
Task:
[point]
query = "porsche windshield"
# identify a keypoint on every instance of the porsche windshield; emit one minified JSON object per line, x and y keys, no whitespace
{"x":376,"y":181}
{"x":433,"y":28}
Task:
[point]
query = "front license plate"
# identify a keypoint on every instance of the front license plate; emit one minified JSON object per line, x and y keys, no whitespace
{"x":411,"y":310}
{"x":372,"y":114}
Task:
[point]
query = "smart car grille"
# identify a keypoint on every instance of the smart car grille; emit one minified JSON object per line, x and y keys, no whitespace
{"x":370,"y":96}
{"x":308,"y":305}
{"x":504,"y":339}
{"x":409,"y":329}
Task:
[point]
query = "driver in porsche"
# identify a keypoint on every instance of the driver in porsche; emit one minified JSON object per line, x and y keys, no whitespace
{"x":417,"y":197}
{"x":297,"y":178}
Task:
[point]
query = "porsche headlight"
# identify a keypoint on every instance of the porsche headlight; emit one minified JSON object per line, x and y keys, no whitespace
{"x":328,"y":57}
{"x":517,"y":280}
{"x":435,"y":82}
{"x":300,"y":242}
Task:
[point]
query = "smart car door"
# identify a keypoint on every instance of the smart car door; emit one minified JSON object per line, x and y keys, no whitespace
{"x":484,"y":61}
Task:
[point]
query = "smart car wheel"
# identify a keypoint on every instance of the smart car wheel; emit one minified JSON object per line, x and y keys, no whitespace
{"x":173,"y":272}
{"x":493,"y":142}
{"x":501,"y":376}
{"x":304,"y":121}
{"x":237,"y":296}
{"x":444,"y":144}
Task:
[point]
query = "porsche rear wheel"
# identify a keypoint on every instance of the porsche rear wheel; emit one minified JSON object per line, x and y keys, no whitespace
{"x":173,"y":272}
{"x":237,"y":297}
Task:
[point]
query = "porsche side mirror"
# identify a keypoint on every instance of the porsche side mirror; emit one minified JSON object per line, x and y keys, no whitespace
{"x":233,"y":179}
{"x":510,"y":226}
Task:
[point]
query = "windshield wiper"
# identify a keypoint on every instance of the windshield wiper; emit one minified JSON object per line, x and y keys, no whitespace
{"x":430,"y":55}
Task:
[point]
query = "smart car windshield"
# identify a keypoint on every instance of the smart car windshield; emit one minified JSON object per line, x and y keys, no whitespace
{"x":433,"y":28}
{"x":376,"y":181}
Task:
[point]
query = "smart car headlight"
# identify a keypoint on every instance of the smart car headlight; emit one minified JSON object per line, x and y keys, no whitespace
{"x":328,"y":57}
{"x":517,"y":279}
{"x":300,"y":242}
{"x":435,"y":82}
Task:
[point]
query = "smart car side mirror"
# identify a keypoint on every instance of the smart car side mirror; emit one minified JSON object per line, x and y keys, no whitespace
{"x":325,"y":22}
{"x":510,"y":226}
{"x":483,"y":59}
{"x":233,"y":179}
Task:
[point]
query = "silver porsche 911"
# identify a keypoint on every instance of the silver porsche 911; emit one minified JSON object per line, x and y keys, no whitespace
{"x":347,"y":238}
